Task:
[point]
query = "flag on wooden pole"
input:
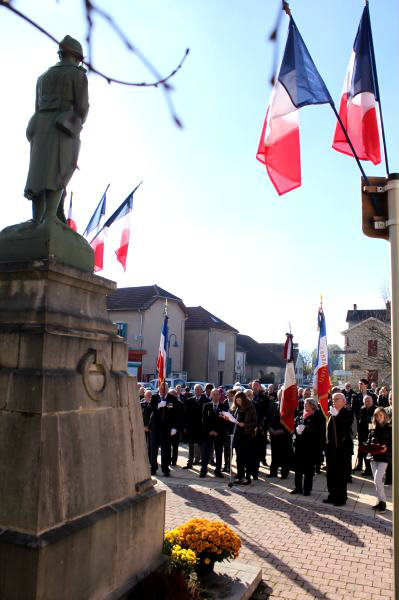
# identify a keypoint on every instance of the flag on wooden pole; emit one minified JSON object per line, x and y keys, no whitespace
{"x":321,"y":376}
{"x":289,"y":399}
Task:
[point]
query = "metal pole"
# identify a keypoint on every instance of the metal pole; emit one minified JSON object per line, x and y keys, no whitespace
{"x":393,"y":224}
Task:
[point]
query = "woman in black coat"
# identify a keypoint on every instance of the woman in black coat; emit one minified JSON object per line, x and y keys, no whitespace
{"x":379,"y":444}
{"x":306,"y":447}
{"x":244,"y":437}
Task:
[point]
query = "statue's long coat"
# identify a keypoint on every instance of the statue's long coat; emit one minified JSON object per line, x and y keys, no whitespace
{"x":54,"y":154}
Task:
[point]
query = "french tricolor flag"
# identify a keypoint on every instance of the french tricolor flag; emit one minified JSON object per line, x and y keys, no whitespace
{"x":289,"y":398}
{"x":95,"y":232}
{"x":163,"y":352}
{"x":359,"y":96}
{"x":121,"y":222}
{"x":321,"y":376}
{"x":70,"y":220}
{"x":298,"y":84}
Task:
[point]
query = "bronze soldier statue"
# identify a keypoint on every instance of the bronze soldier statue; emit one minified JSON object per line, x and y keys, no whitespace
{"x":61,"y":108}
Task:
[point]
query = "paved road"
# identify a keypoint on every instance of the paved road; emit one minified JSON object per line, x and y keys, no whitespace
{"x":305,"y":548}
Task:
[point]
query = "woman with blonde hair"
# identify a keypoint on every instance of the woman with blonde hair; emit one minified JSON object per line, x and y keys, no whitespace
{"x":379,"y":446}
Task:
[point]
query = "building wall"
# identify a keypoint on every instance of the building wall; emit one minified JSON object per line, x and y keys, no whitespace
{"x":356,"y":359}
{"x":202,"y":364}
{"x":149,"y":327}
{"x":226,"y":366}
{"x":258,"y":371}
{"x":196,"y":354}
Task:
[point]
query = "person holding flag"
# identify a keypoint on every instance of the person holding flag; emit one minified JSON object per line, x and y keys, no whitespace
{"x":164,"y":412}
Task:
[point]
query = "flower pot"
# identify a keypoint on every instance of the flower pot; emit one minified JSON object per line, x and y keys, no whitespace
{"x":203,"y":568}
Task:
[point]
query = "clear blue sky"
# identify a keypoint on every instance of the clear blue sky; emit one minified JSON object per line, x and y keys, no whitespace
{"x":207,"y":224}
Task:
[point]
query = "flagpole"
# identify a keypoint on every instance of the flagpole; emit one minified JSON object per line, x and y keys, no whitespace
{"x":377,"y":87}
{"x":393,"y":224}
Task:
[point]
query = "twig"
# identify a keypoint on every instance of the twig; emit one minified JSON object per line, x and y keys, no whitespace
{"x":89,"y":9}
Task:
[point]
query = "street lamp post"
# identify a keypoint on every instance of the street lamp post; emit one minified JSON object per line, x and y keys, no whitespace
{"x":175,"y":345}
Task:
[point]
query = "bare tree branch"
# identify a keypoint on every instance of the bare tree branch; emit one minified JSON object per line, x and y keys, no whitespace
{"x":89,"y":9}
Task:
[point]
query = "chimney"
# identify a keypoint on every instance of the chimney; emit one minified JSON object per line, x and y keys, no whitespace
{"x":388,"y":307}
{"x":355,"y":307}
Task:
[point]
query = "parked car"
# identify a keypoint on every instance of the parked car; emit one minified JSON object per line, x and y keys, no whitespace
{"x":145,"y":384}
{"x":171,"y":381}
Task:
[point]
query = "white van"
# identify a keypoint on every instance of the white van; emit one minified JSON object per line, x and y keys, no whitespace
{"x":171,"y":381}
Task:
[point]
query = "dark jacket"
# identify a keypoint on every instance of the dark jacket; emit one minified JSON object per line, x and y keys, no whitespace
{"x":249,"y":418}
{"x":212,"y":420}
{"x":307,"y":444}
{"x":192,"y":418}
{"x":261,"y":403}
{"x":349,"y":395}
{"x":339,"y":432}
{"x":382,"y":435}
{"x":365,"y":418}
{"x":146,"y":410}
{"x":163,"y":420}
{"x":383,"y":401}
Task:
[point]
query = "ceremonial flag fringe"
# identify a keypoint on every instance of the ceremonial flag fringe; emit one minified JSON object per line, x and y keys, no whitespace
{"x":94,"y":230}
{"x":289,"y":399}
{"x":298,"y":84}
{"x":359,"y":96}
{"x":321,"y":377}
{"x":70,"y":220}
{"x":163,"y":352}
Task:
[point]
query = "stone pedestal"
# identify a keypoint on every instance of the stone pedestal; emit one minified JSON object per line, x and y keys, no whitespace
{"x":79,"y":516}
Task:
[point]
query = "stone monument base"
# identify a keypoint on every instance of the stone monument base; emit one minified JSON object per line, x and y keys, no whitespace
{"x":80,"y":518}
{"x":25,"y":241}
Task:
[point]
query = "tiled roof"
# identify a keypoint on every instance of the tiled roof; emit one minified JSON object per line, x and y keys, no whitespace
{"x":199,"y":318}
{"x":261,"y":354}
{"x":139,"y":298}
{"x":356,"y":316}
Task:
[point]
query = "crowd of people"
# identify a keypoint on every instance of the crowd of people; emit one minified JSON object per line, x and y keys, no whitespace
{"x":214,"y":424}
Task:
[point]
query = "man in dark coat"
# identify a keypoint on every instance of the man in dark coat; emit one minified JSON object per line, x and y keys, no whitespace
{"x":261,"y":403}
{"x":338,"y":448}
{"x":281,"y":443}
{"x":146,"y":411}
{"x":365,"y":419}
{"x":179,"y":425}
{"x":162,"y":425}
{"x":214,"y":433}
{"x":192,"y":423}
{"x":308,"y":426}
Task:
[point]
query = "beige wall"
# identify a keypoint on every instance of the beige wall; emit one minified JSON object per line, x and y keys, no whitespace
{"x":152,"y":320}
{"x":200,"y":365}
{"x":358,"y":361}
{"x":196,"y":354}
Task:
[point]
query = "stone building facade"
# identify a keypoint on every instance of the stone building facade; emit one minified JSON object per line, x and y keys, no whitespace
{"x":367,"y":348}
{"x":209,"y":348}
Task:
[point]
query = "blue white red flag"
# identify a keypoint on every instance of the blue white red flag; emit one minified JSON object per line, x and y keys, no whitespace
{"x":94,"y":230}
{"x":298,"y":84}
{"x":121,"y":218}
{"x":359,"y":96}
{"x":289,"y":398}
{"x":70,"y":220}
{"x":163,"y":352}
{"x":321,"y":377}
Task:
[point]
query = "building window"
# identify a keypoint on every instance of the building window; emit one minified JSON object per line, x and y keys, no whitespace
{"x":221,"y":350}
{"x":372,"y":348}
{"x":372,"y":376}
{"x":220,"y":378}
{"x":121,"y":329}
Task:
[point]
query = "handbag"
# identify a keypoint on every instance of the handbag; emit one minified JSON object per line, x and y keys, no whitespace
{"x":69,"y":123}
{"x":372,"y":448}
